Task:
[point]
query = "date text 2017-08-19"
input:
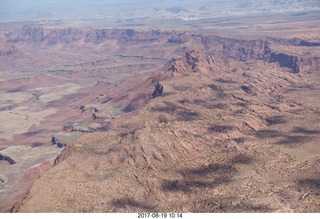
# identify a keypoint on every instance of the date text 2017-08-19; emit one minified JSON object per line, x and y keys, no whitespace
{"x":159,"y":215}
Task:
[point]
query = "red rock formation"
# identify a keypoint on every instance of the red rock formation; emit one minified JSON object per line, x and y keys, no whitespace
{"x":190,"y":62}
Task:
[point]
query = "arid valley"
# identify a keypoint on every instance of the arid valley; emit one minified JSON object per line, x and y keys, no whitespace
{"x":181,"y":110}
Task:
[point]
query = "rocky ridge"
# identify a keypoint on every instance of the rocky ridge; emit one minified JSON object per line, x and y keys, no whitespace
{"x":214,"y":141}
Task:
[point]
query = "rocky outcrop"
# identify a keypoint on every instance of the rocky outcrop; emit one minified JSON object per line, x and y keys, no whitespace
{"x":63,"y":139}
{"x":192,"y":61}
{"x":285,"y":60}
{"x":92,"y":111}
{"x":6,"y":160}
{"x":158,"y":90}
{"x":56,"y":141}
{"x":84,"y":127}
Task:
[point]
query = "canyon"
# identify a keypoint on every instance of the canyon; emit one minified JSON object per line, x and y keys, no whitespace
{"x":140,"y":119}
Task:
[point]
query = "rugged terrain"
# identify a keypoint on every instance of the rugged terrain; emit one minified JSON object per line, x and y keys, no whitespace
{"x":141,"y":119}
{"x":190,"y":122}
{"x":233,"y":140}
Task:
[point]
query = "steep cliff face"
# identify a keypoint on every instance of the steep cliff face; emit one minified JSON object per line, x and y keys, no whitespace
{"x":296,"y":54}
{"x":285,"y":60}
{"x":37,"y":35}
{"x":294,"y":42}
{"x":310,"y":64}
{"x":240,"y":50}
{"x":117,"y":41}
{"x":158,"y":90}
{"x":51,"y":36}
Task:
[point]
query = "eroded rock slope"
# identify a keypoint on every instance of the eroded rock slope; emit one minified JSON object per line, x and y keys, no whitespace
{"x":223,"y":136}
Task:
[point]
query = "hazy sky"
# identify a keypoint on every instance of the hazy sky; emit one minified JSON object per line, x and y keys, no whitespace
{"x":55,"y":9}
{"x":28,"y":10}
{"x":61,"y":3}
{"x":27,"y":4}
{"x":36,"y":8}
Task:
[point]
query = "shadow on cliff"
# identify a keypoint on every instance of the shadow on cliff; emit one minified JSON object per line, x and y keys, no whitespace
{"x":221,"y":205}
{"x":130,"y":202}
{"x":37,"y":144}
{"x":206,"y":177}
{"x":180,"y":113}
{"x":311,"y":184}
{"x":32,"y":133}
{"x":297,"y":136}
{"x":221,"y":128}
{"x":18,"y":89}
{"x":210,"y":104}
